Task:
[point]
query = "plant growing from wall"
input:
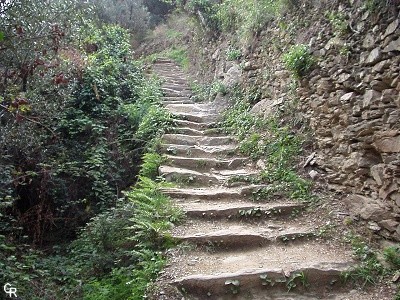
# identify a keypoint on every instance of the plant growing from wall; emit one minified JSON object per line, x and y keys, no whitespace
{"x":338,"y":22}
{"x":298,"y":60}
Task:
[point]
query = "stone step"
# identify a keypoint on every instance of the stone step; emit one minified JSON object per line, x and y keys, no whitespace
{"x":196,"y":107}
{"x":175,"y":89}
{"x":193,"y":112}
{"x":174,"y":93}
{"x":161,"y":72}
{"x":178,"y":86}
{"x":198,"y":163}
{"x":332,"y":292}
{"x":238,"y":209}
{"x":174,"y":79}
{"x":176,"y":98}
{"x":228,"y":235}
{"x":165,"y":103}
{"x":188,"y":140}
{"x":163,"y":60}
{"x":213,"y":193}
{"x":315,"y":278}
{"x":188,"y":131}
{"x":199,"y":151}
{"x":188,"y":176}
{"x":194,"y":125}
{"x":198,"y":117}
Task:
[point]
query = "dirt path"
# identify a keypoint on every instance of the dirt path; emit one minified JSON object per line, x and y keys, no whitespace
{"x":236,"y":248}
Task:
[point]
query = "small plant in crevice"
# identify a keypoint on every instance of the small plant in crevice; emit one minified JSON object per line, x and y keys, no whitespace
{"x":253,"y":179}
{"x":392,"y":256}
{"x":297,"y":279}
{"x":207,"y":92}
{"x":251,"y":212}
{"x":234,"y":285}
{"x":266,"y":280}
{"x":233,"y":53}
{"x":369,"y":270}
{"x":338,"y":22}
{"x":268,"y":138}
{"x":298,"y":60}
{"x":150,"y":165}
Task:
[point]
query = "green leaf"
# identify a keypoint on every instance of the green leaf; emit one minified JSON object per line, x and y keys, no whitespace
{"x":1,"y":36}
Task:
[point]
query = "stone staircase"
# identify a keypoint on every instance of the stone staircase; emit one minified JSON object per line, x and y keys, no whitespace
{"x":235,"y":248}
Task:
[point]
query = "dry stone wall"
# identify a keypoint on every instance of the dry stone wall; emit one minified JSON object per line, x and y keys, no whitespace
{"x":351,"y":100}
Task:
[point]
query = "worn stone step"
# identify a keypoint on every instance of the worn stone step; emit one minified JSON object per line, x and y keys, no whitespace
{"x":194,"y":125}
{"x":188,"y":131}
{"x":163,"y":60}
{"x":196,"y":107}
{"x":183,"y":139}
{"x":174,"y":79}
{"x":213,"y":193}
{"x":238,"y":209}
{"x":179,"y":98}
{"x":167,"y":71}
{"x":190,"y":176}
{"x":334,"y":292}
{"x":194,"y":112}
{"x":177,"y":86}
{"x":198,"y":117}
{"x":176,"y":89}
{"x":319,"y":278}
{"x":175,"y":93}
{"x":166,"y":102}
{"x":331,"y":292}
{"x":228,"y":235}
{"x":199,"y":151}
{"x":198,"y":163}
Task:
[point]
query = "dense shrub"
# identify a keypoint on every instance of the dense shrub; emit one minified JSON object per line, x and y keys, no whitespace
{"x":298,"y":60}
{"x":68,"y":151}
{"x":77,"y":145}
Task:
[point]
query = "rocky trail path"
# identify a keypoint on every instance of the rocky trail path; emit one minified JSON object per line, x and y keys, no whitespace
{"x":235,"y":248}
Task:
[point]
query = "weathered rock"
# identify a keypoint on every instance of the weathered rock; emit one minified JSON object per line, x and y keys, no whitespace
{"x":388,"y":144}
{"x":379,"y":85}
{"x":324,"y":85}
{"x":381,"y":66}
{"x":377,"y":173}
{"x":369,"y":41}
{"x":390,"y":224}
{"x":393,"y":46}
{"x":367,"y":208}
{"x":313,"y":174}
{"x":385,"y":191}
{"x":373,"y":226}
{"x":347,"y":97}
{"x":374,"y":56}
{"x":232,"y":77}
{"x":371,"y":97}
{"x":391,"y":28}
{"x":265,"y":107}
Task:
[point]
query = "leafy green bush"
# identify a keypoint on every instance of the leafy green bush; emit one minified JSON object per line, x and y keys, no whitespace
{"x":369,"y":270}
{"x":392,"y":256}
{"x":180,"y":56}
{"x":151,"y":162}
{"x":206,"y":92}
{"x":154,"y":123}
{"x":207,"y":12}
{"x":270,"y":140}
{"x":339,"y":24}
{"x":233,"y":53}
{"x":247,"y":17}
{"x":298,"y":60}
